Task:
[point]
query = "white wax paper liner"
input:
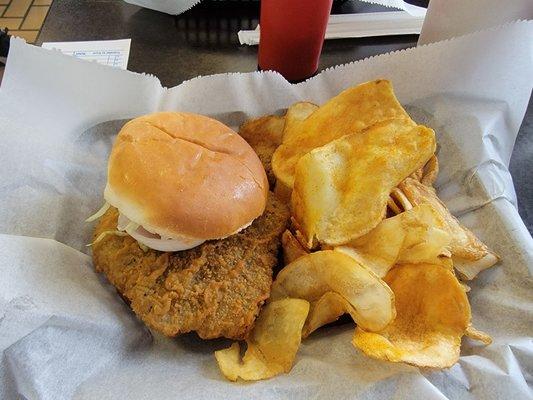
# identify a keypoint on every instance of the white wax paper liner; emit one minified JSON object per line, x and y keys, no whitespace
{"x":65,"y":334}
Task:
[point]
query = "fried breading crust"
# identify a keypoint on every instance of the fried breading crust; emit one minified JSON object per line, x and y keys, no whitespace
{"x":264,"y":135}
{"x":215,"y":289}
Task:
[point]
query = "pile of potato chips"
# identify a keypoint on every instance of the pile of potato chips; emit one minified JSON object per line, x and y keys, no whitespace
{"x":369,"y":237}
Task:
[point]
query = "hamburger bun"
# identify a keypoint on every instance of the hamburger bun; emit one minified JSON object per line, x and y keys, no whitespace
{"x":185,"y":176}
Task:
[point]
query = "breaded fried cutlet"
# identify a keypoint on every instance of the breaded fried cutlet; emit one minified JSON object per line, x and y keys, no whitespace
{"x":264,"y":135}
{"x":215,"y":289}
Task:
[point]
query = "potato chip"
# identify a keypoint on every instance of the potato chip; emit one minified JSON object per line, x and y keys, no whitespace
{"x":393,"y":206}
{"x":426,"y":237}
{"x":447,"y":263}
{"x":272,"y":344}
{"x":470,"y":255}
{"x":418,"y":174}
{"x":296,"y":114}
{"x":341,"y":189}
{"x":430,"y":171}
{"x":266,"y":130}
{"x":368,"y":237}
{"x":413,"y":236}
{"x":399,"y":197}
{"x":253,"y":366}
{"x":264,"y":135}
{"x":292,"y":249}
{"x":325,"y":310}
{"x":433,"y":314}
{"x":475,"y":334}
{"x":378,"y":254}
{"x":353,"y":110}
{"x":313,"y":275}
{"x":469,"y":269}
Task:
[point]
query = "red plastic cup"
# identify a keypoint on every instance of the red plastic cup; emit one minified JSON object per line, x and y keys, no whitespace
{"x":291,"y":36}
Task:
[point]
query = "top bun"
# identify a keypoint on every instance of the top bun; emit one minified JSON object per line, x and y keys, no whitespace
{"x":185,"y":175}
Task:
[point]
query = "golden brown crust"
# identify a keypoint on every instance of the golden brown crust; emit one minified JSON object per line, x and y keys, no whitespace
{"x":292,"y":248}
{"x":215,"y":289}
{"x":264,"y":134}
{"x":181,"y":174}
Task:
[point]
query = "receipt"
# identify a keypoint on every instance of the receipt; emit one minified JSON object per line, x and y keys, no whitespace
{"x":114,"y":53}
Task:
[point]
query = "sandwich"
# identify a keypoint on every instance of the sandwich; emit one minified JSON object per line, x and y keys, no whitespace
{"x":189,"y":234}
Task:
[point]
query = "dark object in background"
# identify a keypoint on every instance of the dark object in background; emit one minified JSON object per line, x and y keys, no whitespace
{"x":213,"y":24}
{"x":4,"y":44}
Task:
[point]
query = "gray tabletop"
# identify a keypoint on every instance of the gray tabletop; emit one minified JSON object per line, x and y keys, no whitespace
{"x":203,"y":41}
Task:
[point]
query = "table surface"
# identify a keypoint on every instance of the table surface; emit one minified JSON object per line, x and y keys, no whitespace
{"x":203,"y":41}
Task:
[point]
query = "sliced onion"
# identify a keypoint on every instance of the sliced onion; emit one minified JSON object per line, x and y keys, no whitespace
{"x":143,"y":236}
{"x":153,"y":240}
{"x":99,"y":213}
{"x":122,"y":222}
{"x":104,"y":234}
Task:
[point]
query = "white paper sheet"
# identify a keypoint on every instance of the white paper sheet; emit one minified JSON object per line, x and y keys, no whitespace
{"x":401,"y":5}
{"x":114,"y":53}
{"x":446,"y":19}
{"x":341,"y":26}
{"x":173,"y":7}
{"x":65,"y":334}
